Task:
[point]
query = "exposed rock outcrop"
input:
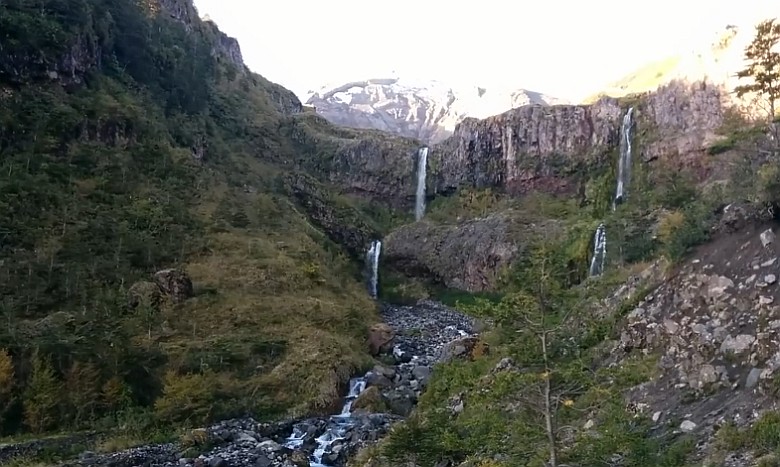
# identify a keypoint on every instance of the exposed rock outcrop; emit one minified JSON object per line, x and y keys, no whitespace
{"x":532,"y":147}
{"x":340,"y":222}
{"x":466,"y":348}
{"x":679,"y":121}
{"x":470,"y":255}
{"x":66,"y":63}
{"x":542,"y":148}
{"x":380,"y":338}
{"x":175,"y":284}
{"x":371,"y":164}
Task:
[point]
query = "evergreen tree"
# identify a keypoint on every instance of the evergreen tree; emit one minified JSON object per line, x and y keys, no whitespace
{"x":42,"y":395}
{"x":763,"y":68}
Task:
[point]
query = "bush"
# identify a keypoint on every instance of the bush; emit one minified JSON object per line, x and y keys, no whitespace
{"x":191,"y":398}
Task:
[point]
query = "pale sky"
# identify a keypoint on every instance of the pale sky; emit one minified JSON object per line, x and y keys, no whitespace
{"x":564,"y":48}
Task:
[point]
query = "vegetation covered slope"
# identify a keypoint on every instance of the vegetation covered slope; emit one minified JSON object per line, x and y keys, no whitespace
{"x":131,"y":142}
{"x":492,"y":411}
{"x":575,"y":375}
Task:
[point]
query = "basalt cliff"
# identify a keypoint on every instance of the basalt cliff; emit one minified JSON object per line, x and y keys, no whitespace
{"x":556,"y":150}
{"x":541,"y":147}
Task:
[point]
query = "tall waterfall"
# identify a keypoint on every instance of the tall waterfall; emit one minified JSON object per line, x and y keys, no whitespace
{"x":419,"y":202}
{"x":599,"y":251}
{"x":337,"y":427}
{"x":372,"y":265}
{"x":624,"y":163}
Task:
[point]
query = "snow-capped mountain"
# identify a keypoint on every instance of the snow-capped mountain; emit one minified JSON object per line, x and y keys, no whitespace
{"x":425,"y":110}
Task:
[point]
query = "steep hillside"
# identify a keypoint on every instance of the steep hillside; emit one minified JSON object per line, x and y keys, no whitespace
{"x":158,"y":255}
{"x":428,"y":111}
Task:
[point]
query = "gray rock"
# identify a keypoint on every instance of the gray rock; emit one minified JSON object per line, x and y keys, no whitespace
{"x":753,"y":377}
{"x":767,"y":237}
{"x":687,"y":426}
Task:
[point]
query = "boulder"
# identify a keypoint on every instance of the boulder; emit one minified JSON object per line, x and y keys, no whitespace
{"x":380,"y":338}
{"x":299,"y":459}
{"x":370,"y":401}
{"x":144,"y":294}
{"x":175,"y":284}
{"x":466,"y":348}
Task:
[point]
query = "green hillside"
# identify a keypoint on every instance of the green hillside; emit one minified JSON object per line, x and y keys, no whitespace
{"x":131,"y":143}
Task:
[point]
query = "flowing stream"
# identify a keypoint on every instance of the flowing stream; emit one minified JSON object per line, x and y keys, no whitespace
{"x":337,"y":426}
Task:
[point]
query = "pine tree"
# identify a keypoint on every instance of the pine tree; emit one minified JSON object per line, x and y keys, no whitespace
{"x":42,"y":396}
{"x":763,"y":68}
{"x":538,"y":313}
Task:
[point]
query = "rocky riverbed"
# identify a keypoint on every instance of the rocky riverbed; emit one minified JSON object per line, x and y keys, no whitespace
{"x":407,"y":346}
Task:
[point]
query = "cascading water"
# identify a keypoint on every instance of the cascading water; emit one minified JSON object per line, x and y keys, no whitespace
{"x":337,"y":426}
{"x":599,"y":251}
{"x":419,"y":202}
{"x":624,"y":163}
{"x":372,"y":266}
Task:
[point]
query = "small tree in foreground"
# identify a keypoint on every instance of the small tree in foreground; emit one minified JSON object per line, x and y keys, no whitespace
{"x":539,"y":313}
{"x":763,"y":68}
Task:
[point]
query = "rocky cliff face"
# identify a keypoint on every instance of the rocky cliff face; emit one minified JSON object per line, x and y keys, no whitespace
{"x":428,"y":111}
{"x":680,"y":119}
{"x":547,"y":148}
{"x":532,"y":147}
{"x":341,"y":223}
{"x":470,"y":255}
{"x":366,"y":163}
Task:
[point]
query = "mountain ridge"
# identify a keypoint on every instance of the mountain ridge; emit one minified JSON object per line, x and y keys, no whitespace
{"x":426,"y":110}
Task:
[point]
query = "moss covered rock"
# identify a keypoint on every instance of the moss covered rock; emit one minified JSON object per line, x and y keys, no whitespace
{"x":371,"y":400}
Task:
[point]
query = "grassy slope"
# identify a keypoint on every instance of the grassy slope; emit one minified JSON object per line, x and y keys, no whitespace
{"x":646,"y":78}
{"x":99,"y":189}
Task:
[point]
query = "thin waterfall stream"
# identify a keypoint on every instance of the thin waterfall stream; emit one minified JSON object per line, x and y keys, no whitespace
{"x":419,"y":202}
{"x":624,"y":162}
{"x":372,"y":266}
{"x":599,"y":251}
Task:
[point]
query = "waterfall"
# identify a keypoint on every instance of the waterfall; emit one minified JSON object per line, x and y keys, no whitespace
{"x":599,"y":251}
{"x":372,"y":266}
{"x":419,"y":202}
{"x":624,"y":163}
{"x":335,"y":430}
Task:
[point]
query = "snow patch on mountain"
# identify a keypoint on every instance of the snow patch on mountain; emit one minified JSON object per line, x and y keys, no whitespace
{"x":427,"y":110}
